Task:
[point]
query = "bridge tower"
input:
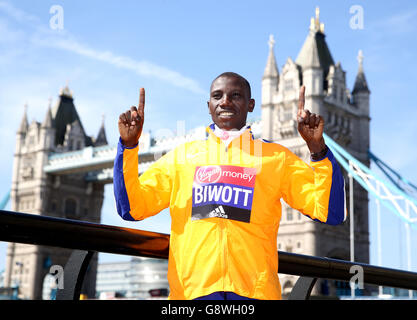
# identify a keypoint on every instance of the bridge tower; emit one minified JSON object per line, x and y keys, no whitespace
{"x":36,"y":192}
{"x":347,"y":119}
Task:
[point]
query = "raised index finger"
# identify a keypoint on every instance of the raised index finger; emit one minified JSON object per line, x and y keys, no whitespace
{"x":141,"y":106}
{"x":301,"y":99}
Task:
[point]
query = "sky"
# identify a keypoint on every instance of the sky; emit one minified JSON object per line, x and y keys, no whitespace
{"x":106,"y":50}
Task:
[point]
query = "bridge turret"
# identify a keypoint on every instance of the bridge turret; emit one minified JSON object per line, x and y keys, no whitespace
{"x":360,"y":99}
{"x":361,"y":92}
{"x":37,"y":192}
{"x":20,"y":141}
{"x":270,"y":82}
{"x":48,"y":130}
{"x":101,"y":139}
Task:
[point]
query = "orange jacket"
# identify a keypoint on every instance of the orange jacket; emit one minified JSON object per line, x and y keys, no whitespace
{"x":225,"y":209}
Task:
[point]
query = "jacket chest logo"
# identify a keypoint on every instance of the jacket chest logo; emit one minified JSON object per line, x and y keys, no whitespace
{"x":224,"y":192}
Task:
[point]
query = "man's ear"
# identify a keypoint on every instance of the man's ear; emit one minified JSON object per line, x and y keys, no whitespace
{"x":208,"y":107}
{"x":251,"y":105}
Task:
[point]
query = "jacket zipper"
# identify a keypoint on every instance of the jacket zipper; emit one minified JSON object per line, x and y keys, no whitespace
{"x":223,"y":251}
{"x":223,"y":234}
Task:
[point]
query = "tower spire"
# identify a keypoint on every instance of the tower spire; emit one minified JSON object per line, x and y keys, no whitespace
{"x":315,"y":52}
{"x":101,"y":137}
{"x":47,"y":122}
{"x":65,"y":91}
{"x":360,"y":61}
{"x":315,"y":24}
{"x":271,"y":69}
{"x":361,"y":84}
{"x":24,"y":123}
{"x":271,"y":42}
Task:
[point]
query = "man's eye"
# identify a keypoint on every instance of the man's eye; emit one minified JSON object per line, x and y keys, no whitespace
{"x":236,"y":94}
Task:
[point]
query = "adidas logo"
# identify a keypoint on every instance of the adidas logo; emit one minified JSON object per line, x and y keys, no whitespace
{"x":218,"y":212}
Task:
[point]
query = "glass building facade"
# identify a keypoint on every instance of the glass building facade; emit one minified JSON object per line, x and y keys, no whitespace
{"x":139,"y":278}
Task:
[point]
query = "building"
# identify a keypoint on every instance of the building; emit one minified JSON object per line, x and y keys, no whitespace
{"x":35,"y":192}
{"x":133,"y":279}
{"x":346,"y":115}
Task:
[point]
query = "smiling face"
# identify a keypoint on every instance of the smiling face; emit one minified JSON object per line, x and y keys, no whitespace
{"x":230,"y":102}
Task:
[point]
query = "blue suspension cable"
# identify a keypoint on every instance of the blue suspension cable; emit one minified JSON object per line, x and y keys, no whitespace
{"x":343,"y":157}
{"x":5,"y":200}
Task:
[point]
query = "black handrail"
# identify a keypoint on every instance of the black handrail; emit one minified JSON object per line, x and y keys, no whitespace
{"x":74,"y":234}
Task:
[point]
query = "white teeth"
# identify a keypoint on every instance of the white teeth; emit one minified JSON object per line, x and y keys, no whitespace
{"x":226,"y":113}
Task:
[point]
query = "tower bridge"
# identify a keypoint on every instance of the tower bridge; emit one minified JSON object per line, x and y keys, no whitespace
{"x":60,"y":171}
{"x":97,"y":162}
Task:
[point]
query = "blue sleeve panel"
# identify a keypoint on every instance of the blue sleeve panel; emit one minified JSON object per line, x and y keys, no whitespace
{"x":119,"y":187}
{"x":337,"y":202}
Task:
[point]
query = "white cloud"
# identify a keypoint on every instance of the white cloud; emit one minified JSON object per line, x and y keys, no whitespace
{"x":396,"y":24}
{"x":46,"y":37}
{"x":143,"y":68}
{"x":17,"y":14}
{"x":401,"y":22}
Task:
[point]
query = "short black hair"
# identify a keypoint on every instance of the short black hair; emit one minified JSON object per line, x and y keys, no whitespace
{"x":235,"y":75}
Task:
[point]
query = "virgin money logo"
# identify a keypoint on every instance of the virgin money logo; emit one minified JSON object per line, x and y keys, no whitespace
{"x":209,"y":174}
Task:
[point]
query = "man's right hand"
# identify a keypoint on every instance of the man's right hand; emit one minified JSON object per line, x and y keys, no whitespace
{"x":131,"y":122}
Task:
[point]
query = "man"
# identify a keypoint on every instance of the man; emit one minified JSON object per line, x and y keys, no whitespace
{"x":224,"y":195}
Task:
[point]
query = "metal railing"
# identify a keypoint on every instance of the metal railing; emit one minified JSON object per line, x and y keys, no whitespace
{"x":88,"y":238}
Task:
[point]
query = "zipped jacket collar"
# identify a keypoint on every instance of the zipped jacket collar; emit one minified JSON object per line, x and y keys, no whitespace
{"x":246,"y":134}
